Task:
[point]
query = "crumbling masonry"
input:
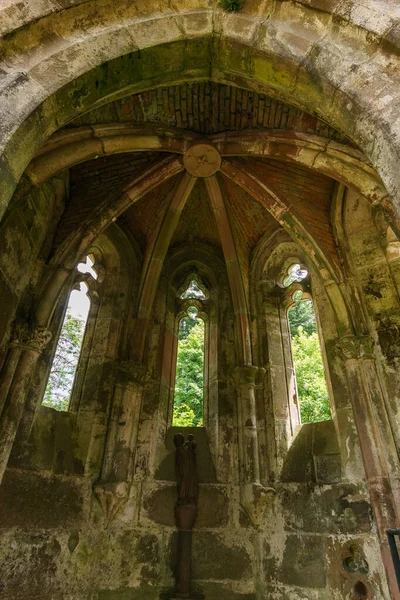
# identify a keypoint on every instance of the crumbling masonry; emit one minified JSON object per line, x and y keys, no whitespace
{"x":180,"y":140}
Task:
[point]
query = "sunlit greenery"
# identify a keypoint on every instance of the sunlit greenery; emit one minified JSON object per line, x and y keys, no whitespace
{"x":188,"y":398}
{"x":302,"y":315}
{"x":62,"y":374}
{"x":310,"y":375}
{"x":193,"y":291}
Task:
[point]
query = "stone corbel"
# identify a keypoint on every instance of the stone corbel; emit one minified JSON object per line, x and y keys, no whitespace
{"x":112,"y":496}
{"x":255,"y":500}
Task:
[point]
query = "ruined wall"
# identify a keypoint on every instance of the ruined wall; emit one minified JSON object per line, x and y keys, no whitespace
{"x":86,"y":502}
{"x":108,"y":534}
{"x":26,"y":235}
{"x":56,"y":542}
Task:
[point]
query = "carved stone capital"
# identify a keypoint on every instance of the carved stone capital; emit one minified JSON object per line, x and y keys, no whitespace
{"x":130,"y":371}
{"x":255,"y":499}
{"x":249,"y":375}
{"x":355,"y":347}
{"x":112,"y":497}
{"x":33,"y":338}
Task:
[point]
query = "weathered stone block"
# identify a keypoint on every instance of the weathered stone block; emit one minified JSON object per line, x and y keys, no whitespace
{"x":213,"y":506}
{"x":31,"y":501}
{"x":219,"y":591}
{"x":216,"y":556}
{"x":332,"y":509}
{"x":303,"y":562}
{"x":143,"y":592}
{"x":328,"y":468}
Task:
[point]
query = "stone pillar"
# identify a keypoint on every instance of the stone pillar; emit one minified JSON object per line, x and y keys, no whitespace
{"x":119,"y":456}
{"x":245,"y":380}
{"x":376,"y":440}
{"x":15,"y":382}
{"x":282,"y":408}
{"x":253,"y":495}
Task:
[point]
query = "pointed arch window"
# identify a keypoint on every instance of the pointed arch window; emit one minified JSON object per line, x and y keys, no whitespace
{"x":189,"y":388}
{"x":189,"y":381}
{"x":61,"y":378}
{"x":306,"y":350}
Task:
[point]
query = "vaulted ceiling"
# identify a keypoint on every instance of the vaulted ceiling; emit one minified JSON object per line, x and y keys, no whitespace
{"x":205,"y":110}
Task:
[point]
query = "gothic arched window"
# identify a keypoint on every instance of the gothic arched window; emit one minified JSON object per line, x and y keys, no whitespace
{"x":188,"y":410}
{"x":306,"y":350}
{"x":70,"y":340}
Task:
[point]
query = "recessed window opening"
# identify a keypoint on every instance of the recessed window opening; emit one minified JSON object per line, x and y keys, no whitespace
{"x":193,"y":290}
{"x":62,"y":374}
{"x":87,"y":266}
{"x":295,"y":273}
{"x":307,"y":359}
{"x":189,"y":382}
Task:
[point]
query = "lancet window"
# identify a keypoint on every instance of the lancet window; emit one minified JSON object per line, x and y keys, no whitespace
{"x":305,"y":346}
{"x":67,"y":352}
{"x":188,"y":408}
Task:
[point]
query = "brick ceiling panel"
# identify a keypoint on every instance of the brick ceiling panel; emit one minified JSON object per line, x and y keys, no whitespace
{"x":197,"y":223}
{"x":208,"y":108}
{"x":249,"y":220}
{"x":97,"y":181}
{"x":308,"y":192}
{"x":144,"y":218}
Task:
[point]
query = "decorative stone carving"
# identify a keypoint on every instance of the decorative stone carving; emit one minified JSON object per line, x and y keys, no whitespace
{"x":112,"y":497}
{"x":32,"y":338}
{"x":255,"y":499}
{"x":202,"y":160}
{"x":355,"y":347}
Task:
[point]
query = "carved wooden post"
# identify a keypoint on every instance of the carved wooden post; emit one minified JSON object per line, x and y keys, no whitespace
{"x":24,"y":353}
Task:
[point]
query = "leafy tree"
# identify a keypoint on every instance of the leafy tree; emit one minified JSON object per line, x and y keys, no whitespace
{"x":186,"y":325}
{"x":310,"y":376}
{"x":62,"y":374}
{"x":188,"y":402}
{"x":193,"y":291}
{"x":302,"y":315}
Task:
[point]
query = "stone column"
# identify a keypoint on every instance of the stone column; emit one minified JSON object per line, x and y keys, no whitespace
{"x":119,"y":457}
{"x":15,"y":382}
{"x":376,"y":440}
{"x":282,"y":408}
{"x":252,"y":493}
{"x":245,"y":380}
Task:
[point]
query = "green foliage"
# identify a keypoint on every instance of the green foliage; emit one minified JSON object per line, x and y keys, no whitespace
{"x":188,"y":399}
{"x":232,"y":5}
{"x":310,"y":376}
{"x":302,"y":314}
{"x":62,"y":374}
{"x":193,"y":291}
{"x":185,"y":326}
